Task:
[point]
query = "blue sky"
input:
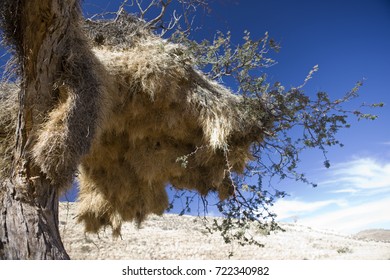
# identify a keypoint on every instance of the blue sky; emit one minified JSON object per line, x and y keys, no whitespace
{"x":350,"y":41}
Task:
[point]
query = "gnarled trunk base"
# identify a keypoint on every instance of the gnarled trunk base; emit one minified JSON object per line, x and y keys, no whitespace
{"x":29,"y":226}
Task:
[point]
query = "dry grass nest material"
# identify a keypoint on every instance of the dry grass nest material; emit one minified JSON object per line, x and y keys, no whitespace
{"x":8,"y":117}
{"x":164,"y":122}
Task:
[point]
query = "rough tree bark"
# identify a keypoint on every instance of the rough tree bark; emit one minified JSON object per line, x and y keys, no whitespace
{"x":39,"y":32}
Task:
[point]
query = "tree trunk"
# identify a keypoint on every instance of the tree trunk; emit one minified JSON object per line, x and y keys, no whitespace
{"x":29,"y":208}
{"x":29,"y":229}
{"x":47,"y":39}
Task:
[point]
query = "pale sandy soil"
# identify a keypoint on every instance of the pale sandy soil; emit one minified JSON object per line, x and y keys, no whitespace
{"x":175,"y":237}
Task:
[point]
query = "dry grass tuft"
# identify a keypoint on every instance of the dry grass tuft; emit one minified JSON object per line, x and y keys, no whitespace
{"x":8,"y":117}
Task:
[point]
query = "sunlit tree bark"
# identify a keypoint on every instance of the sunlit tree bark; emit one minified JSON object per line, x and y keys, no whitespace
{"x":46,"y":40}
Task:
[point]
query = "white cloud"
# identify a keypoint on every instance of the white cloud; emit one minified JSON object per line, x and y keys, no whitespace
{"x":348,"y":190}
{"x":286,"y":209}
{"x":368,"y":181}
{"x":359,"y":175}
{"x":374,"y":214}
{"x":342,"y":218}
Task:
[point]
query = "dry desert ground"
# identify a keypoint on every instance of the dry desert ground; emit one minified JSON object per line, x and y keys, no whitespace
{"x":176,"y":237}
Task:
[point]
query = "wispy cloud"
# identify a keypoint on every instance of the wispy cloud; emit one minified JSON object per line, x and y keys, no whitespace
{"x":365,"y":174}
{"x":287,"y":209}
{"x":355,"y":196}
{"x":349,"y":190}
{"x":341,"y":217}
{"x":372,"y":214}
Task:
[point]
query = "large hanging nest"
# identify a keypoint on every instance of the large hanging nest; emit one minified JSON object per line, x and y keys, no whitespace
{"x":164,"y":122}
{"x":168,"y":124}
